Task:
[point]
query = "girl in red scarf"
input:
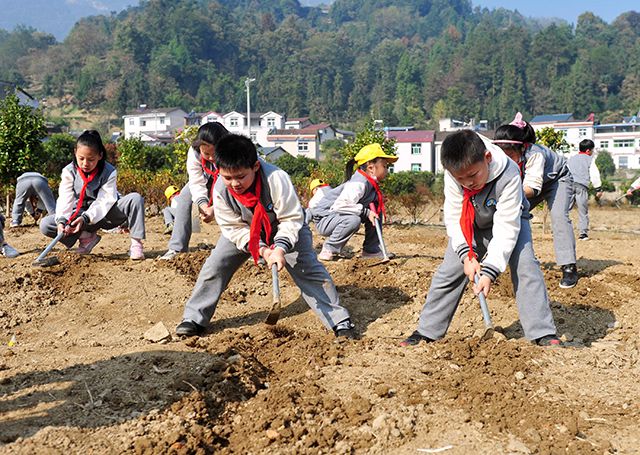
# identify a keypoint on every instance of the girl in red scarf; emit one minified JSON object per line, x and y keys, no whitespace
{"x":339,"y":214}
{"x":88,"y":200}
{"x":260,"y":216}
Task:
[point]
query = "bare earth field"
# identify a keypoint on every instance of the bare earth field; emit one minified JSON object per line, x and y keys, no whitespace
{"x":81,"y":377}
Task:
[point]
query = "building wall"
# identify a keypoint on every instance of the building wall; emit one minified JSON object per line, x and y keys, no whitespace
{"x":415,"y":157}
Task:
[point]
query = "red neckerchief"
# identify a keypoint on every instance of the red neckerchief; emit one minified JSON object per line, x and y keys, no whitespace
{"x":521,"y":166}
{"x":583,"y":153}
{"x":467,"y":216}
{"x":85,"y":182}
{"x":251,"y":199}
{"x":213,"y":174}
{"x":374,"y":183}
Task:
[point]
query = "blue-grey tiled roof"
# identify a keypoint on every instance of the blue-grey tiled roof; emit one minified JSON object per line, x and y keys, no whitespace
{"x":551,"y":118}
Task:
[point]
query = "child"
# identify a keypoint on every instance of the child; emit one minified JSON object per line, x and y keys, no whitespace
{"x":318,"y":190}
{"x":486,"y":217}
{"x":259,"y":215}
{"x":546,"y":177}
{"x":202,"y":176}
{"x":635,"y":186}
{"x":584,"y":170}
{"x":339,"y":214}
{"x":168,"y":212}
{"x":88,"y":200}
{"x":5,"y":249}
{"x":32,"y":194}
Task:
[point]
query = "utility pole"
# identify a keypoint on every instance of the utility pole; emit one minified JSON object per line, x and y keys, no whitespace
{"x":246,"y":83}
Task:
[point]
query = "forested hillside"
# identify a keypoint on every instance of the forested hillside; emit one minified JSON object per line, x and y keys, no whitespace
{"x":405,"y":61}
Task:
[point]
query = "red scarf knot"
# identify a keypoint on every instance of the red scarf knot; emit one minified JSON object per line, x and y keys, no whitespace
{"x":251,"y":200}
{"x":213,"y":174}
{"x":85,"y":182}
{"x":374,"y":183}
{"x":467,"y":217}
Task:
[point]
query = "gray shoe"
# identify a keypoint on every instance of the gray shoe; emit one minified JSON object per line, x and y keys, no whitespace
{"x":8,"y":251}
{"x":170,"y":254}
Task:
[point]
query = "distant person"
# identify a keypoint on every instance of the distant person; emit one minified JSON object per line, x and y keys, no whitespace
{"x":34,"y":196}
{"x":88,"y":200}
{"x":635,"y":186}
{"x":198,"y":190}
{"x":171,"y":194}
{"x":319,"y":189}
{"x":5,"y":249}
{"x":260,"y":216}
{"x":545,"y":177}
{"x":339,"y":214}
{"x":584,"y":171}
{"x":487,"y":220}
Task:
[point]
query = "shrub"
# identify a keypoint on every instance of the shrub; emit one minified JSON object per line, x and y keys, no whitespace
{"x":59,"y":149}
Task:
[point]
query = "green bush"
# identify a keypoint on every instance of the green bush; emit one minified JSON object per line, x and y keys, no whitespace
{"x":59,"y":149}
{"x":151,"y":185}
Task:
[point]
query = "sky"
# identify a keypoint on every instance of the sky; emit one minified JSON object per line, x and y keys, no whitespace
{"x":568,"y":10}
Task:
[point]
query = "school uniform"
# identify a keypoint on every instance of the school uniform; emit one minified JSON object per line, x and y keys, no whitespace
{"x":31,"y":184}
{"x":288,"y":231}
{"x":320,"y":193}
{"x":168,"y":213}
{"x":340,"y":212}
{"x":202,"y":175}
{"x":102,"y":207}
{"x":546,"y":172}
{"x":501,"y":237}
{"x":584,"y":171}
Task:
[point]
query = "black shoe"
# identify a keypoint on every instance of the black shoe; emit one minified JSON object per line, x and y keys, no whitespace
{"x":583,"y":237}
{"x":548,"y":340}
{"x":569,"y":276}
{"x":189,"y":329}
{"x":415,"y":338}
{"x":345,"y":329}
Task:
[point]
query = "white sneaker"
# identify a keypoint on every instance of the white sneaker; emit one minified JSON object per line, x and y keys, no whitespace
{"x":8,"y":251}
{"x":378,"y":255}
{"x":326,"y":255}
{"x":136,"y":252}
{"x":170,"y":254}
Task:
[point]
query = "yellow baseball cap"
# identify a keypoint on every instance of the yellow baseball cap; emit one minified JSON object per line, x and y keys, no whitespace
{"x":170,"y":191}
{"x":316,"y":183}
{"x":371,"y":152}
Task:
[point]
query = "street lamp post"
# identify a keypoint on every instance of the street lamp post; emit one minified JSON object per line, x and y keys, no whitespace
{"x":246,"y":83}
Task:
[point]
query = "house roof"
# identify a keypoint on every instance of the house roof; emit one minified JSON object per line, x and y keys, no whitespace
{"x":412,"y":135}
{"x":442,"y":135}
{"x":146,"y":111}
{"x":266,"y":151}
{"x":550,"y":118}
{"x":310,"y":130}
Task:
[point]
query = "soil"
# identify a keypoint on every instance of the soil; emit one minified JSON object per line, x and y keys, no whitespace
{"x":77,"y":374}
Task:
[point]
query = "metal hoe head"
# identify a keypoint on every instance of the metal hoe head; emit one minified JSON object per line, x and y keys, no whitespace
{"x":274,"y":313}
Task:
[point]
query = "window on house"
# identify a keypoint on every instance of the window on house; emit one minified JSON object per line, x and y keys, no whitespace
{"x":131,"y":121}
{"x":390,"y":168}
{"x":271,"y":121}
{"x":604,"y":145}
{"x":161,"y":120}
{"x":622,"y":143}
{"x":582,"y":132}
{"x":253,"y":137}
{"x":416,"y":167}
{"x":143,"y":123}
{"x":416,"y":149}
{"x":623,"y":162}
{"x":303,"y":147}
{"x":233,"y":121}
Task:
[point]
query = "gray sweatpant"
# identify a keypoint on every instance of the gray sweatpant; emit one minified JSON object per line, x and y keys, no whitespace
{"x":449,"y":282}
{"x":582,"y":204}
{"x":128,"y":209}
{"x":26,"y":187}
{"x":339,"y":228}
{"x":168,"y":216}
{"x":182,"y":228}
{"x":559,"y":197}
{"x":307,"y":272}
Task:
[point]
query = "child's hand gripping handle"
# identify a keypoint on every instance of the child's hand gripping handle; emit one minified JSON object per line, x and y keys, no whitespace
{"x":483,"y":306}
{"x":372,"y":207}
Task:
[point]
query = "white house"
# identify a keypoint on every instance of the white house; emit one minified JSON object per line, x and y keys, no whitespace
{"x":303,"y":141}
{"x":574,"y":130}
{"x":415,"y":150}
{"x":152,"y":124}
{"x":261,"y":124}
{"x":622,"y":141}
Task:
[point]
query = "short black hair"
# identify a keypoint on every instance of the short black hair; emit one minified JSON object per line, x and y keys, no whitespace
{"x":586,"y":144}
{"x":463,"y":148}
{"x":211,"y":133}
{"x":235,"y":151}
